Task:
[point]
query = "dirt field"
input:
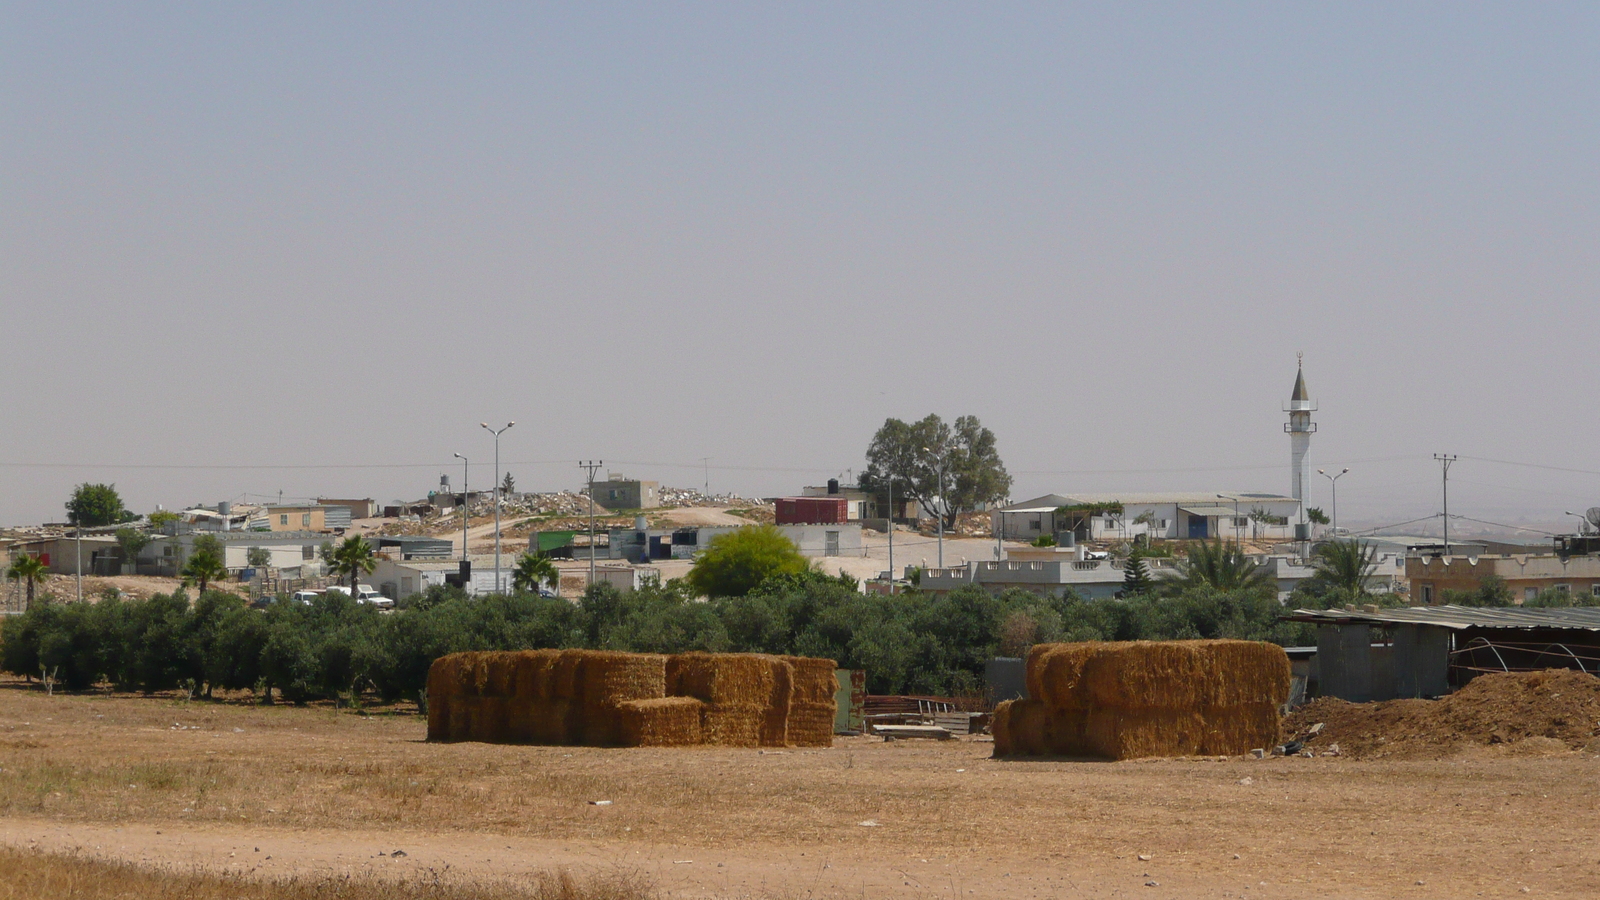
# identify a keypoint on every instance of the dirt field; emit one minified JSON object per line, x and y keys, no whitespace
{"x":284,"y":791}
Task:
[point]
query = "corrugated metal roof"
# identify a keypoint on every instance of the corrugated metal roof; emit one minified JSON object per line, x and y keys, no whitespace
{"x":1208,"y":511}
{"x":1458,"y":617}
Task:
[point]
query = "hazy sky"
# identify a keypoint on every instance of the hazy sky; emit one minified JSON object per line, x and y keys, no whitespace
{"x":310,"y":247}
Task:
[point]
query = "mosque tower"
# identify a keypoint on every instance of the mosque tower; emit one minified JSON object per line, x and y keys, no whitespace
{"x":1299,"y":428}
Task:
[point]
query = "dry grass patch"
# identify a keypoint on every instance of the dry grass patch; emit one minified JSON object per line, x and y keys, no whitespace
{"x":35,"y":875}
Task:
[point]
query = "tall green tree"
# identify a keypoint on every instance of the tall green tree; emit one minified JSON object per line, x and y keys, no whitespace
{"x":912,"y":456}
{"x":131,"y":541}
{"x":1136,"y":576}
{"x":1345,"y":565}
{"x":1221,"y":567}
{"x":736,"y":562}
{"x":534,"y":569}
{"x":30,"y":570}
{"x":205,"y":564}
{"x":258,"y":557}
{"x":162,"y":518}
{"x":96,"y":505}
{"x":508,"y":485}
{"x":353,"y":558}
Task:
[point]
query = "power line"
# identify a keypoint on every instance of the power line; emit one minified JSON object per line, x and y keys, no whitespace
{"x":1504,"y":525}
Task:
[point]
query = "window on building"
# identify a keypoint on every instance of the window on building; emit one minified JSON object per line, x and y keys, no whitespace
{"x":308,"y":552}
{"x":283,"y":519}
{"x":305,"y":520}
{"x":1563,"y":588}
{"x":1240,"y":522}
{"x":1033,"y":524}
{"x":1427,"y":594}
{"x":1594,"y":590}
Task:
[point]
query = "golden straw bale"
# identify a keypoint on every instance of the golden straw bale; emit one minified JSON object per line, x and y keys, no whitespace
{"x":460,"y":723}
{"x":1033,"y":668}
{"x":733,"y":724}
{"x":566,"y":676}
{"x":1236,"y":730}
{"x":532,"y":678}
{"x":775,"y":724}
{"x":811,"y":724}
{"x":815,"y":680}
{"x":1060,"y":674}
{"x":719,"y":678}
{"x":548,"y":722}
{"x":1140,"y":733}
{"x":1246,"y":672}
{"x":1146,"y":675}
{"x":1033,"y":728}
{"x":443,"y":687}
{"x":662,"y":722}
{"x":498,"y":671}
{"x":611,"y":678}
{"x":1157,"y":674}
{"x":491,"y":720}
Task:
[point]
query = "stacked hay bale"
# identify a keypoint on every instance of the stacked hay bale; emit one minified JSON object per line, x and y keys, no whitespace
{"x":813,"y":704}
{"x":1146,"y":698}
{"x":600,"y":698}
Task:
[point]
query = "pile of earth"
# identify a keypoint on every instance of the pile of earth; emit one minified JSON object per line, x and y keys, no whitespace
{"x":1555,"y":710}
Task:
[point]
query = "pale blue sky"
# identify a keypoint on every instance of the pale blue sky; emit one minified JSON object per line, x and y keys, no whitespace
{"x":318,"y":234}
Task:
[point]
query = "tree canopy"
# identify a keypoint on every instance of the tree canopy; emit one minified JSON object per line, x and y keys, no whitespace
{"x":911,"y":455}
{"x":534,"y":569}
{"x":1220,"y":567}
{"x":205,"y":564}
{"x":95,"y":505}
{"x":352,"y":558}
{"x":733,"y":564}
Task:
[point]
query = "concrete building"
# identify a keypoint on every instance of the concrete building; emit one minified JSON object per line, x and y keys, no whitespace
{"x":639,"y":544}
{"x":293,"y":554}
{"x":1091,"y":579}
{"x":398,"y":579}
{"x":619,"y":492}
{"x":1525,"y":575}
{"x":359,"y":509}
{"x":60,"y":553}
{"x":301,"y":518}
{"x":1197,"y":515}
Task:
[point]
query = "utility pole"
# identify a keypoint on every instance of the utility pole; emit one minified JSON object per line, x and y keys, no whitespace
{"x":938,"y":512}
{"x":1444,"y":460}
{"x":496,"y":434}
{"x":591,"y":465}
{"x":706,"y":461}
{"x":80,"y":562}
{"x":466,"y":507}
{"x":889,"y":518}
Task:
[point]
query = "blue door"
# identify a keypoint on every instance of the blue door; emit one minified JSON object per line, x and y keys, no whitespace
{"x":1197,"y":528}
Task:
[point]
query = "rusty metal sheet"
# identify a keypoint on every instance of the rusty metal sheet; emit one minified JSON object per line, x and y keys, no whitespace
{"x":851,"y":701}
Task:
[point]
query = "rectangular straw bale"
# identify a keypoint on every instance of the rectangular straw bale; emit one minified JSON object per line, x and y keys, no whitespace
{"x":491,"y":720}
{"x":733,"y":724}
{"x":661,"y":722}
{"x":1246,"y":672}
{"x":719,"y":678}
{"x":1056,"y":674}
{"x":611,"y":678}
{"x":1236,"y":730}
{"x":775,"y":724}
{"x":1034,"y":728}
{"x":566,"y":676}
{"x":814,"y":679}
{"x":1140,"y":733}
{"x":1146,"y":675}
{"x":548,"y":722}
{"x":532,"y":677}
{"x":443,"y":687}
{"x":459,"y":727}
{"x":811,"y":724}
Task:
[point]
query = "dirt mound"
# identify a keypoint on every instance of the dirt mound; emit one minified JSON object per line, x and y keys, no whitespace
{"x":1541,"y":711}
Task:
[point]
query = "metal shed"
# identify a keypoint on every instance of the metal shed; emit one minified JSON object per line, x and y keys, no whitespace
{"x":1430,"y":651}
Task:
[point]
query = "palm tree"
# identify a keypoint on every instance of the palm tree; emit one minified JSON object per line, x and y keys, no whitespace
{"x":205,"y":563}
{"x":353,"y":557}
{"x":534,"y":569}
{"x":1220,"y":566}
{"x":30,"y":569}
{"x":1345,"y":564}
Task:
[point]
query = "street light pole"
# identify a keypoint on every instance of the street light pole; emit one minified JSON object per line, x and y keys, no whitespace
{"x":1238,"y":539}
{"x":80,"y":561}
{"x":466,"y":506}
{"x":496,"y":434}
{"x":1583,"y":522}
{"x":1333,"y":480}
{"x":889,"y":518}
{"x":1444,"y":460}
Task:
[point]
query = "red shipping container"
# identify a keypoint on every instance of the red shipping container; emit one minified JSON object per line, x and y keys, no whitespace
{"x":812,"y":510}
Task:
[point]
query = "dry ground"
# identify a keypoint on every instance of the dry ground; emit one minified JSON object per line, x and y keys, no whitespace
{"x":274,"y":792}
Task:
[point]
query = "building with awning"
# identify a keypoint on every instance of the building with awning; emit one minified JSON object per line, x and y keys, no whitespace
{"x":1427,"y":651}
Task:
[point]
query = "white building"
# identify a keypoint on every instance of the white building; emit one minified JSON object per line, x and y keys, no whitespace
{"x":1198,"y":515}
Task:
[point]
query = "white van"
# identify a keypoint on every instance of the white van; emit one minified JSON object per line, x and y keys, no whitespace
{"x":366,"y":593}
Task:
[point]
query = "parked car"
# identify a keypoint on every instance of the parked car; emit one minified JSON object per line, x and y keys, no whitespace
{"x":304,"y":596}
{"x":366,"y":593}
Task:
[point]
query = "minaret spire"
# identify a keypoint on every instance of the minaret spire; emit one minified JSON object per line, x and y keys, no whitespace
{"x":1299,"y":428}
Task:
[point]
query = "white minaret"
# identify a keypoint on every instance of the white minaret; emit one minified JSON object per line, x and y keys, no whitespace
{"x":1300,"y":428}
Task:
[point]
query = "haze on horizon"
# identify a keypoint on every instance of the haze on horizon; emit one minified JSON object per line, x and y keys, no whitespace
{"x":309,"y":248}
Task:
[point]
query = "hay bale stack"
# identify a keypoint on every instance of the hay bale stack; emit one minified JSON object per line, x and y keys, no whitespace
{"x":1146,"y":698}
{"x":813,"y":704}
{"x":662,"y":722}
{"x":603,"y":698}
{"x":747,"y":696}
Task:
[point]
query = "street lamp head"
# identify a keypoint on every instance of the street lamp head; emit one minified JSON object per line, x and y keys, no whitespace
{"x":1322,"y":471}
{"x":483,"y":424}
{"x":509,"y":424}
{"x":458,"y":456}
{"x":1343,"y":471}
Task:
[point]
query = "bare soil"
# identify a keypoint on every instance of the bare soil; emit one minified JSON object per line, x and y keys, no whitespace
{"x":324,"y":792}
{"x":1555,"y":711}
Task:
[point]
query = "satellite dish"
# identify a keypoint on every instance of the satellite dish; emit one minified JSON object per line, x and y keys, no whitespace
{"x":1593,"y":515}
